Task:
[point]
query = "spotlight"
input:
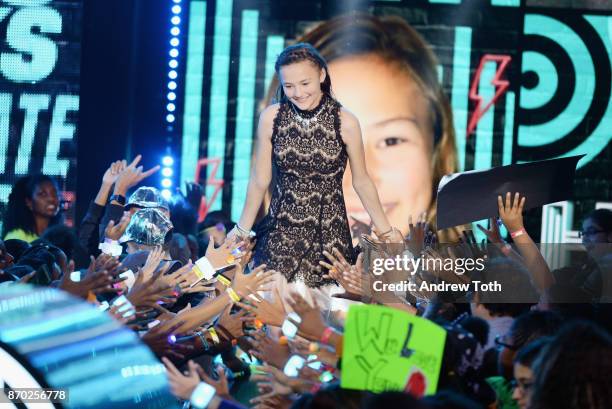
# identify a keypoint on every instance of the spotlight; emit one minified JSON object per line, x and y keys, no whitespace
{"x":176,"y":20}
{"x":172,"y":74}
{"x":171,"y":96}
{"x":175,"y":31}
{"x":170,"y":118}
{"x":172,"y":85}
{"x":174,"y":42}
{"x":166,"y":183}
{"x":167,"y":172}
{"x":167,"y":161}
{"x":173,"y":53}
{"x":166,"y":194}
{"x":173,"y":63}
{"x":176,"y":9}
{"x":170,"y":107}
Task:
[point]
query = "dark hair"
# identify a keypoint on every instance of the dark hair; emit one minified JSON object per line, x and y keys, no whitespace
{"x":603,"y":218}
{"x":449,"y":400}
{"x":392,"y":400}
{"x":331,"y":397}
{"x":297,"y":53}
{"x":184,"y":218}
{"x":573,"y":370}
{"x":16,"y":247}
{"x":528,"y":353}
{"x":63,"y":237}
{"x":37,"y":256}
{"x":533,"y":325}
{"x":18,"y":215}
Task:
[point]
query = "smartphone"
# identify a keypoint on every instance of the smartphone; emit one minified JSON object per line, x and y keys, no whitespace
{"x":293,"y":365}
{"x":202,"y":395}
{"x":75,"y":276}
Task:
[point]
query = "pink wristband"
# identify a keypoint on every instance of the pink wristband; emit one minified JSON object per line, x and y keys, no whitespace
{"x":327,"y":333}
{"x":517,"y":233}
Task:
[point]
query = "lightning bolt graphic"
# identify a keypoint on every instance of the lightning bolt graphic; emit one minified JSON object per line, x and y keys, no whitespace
{"x":501,"y":86}
{"x":212,"y":180}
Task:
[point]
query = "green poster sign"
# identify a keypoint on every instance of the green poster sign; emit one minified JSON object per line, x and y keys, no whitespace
{"x":390,"y":350}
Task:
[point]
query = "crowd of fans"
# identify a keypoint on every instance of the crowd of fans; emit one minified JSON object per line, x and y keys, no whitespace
{"x":214,"y":319}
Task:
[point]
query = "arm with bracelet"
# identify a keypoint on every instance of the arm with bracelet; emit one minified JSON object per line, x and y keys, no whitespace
{"x":511,"y":213}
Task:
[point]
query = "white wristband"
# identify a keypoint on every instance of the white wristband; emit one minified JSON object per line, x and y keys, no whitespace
{"x":203,"y":269}
{"x":111,"y":247}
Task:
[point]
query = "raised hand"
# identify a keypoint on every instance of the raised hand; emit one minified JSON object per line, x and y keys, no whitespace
{"x":492,"y":233}
{"x":231,"y":325}
{"x":312,"y":325}
{"x":257,"y":280}
{"x":222,"y":256}
{"x":153,"y":260}
{"x":131,"y":176}
{"x":157,"y":339}
{"x":112,"y":173}
{"x":114,"y":232}
{"x":268,"y":350}
{"x":221,"y":385}
{"x":418,"y":232}
{"x":511,"y":212}
{"x":96,"y":281}
{"x":182,"y":385}
{"x":146,"y":292}
{"x":269,"y":313}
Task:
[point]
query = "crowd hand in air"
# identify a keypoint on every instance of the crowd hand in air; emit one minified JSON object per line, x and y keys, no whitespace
{"x":312,"y":325}
{"x":125,"y":315}
{"x":233,"y":324}
{"x":96,"y":281}
{"x":347,"y":275}
{"x":193,"y":196}
{"x":182,"y":281}
{"x":222,"y":256}
{"x":221,"y":385}
{"x":112,"y":173}
{"x":511,"y":211}
{"x":131,"y":176}
{"x":182,"y":385}
{"x":272,"y":402}
{"x":115,"y":231}
{"x":493,"y":233}
{"x":267,"y":312}
{"x":419,"y":232}
{"x":255,"y":281}
{"x":147,"y":292}
{"x":268,"y":350}
{"x":158,"y":340}
{"x":271,"y":382}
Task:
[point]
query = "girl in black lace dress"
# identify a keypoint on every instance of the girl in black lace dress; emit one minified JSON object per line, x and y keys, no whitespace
{"x":305,"y":141}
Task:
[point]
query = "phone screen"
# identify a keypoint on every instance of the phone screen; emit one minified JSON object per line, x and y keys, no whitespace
{"x":293,"y":365}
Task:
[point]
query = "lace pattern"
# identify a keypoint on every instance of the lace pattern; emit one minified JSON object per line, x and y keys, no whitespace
{"x":307,"y":214}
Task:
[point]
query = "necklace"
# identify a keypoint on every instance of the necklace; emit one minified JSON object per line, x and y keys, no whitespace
{"x":309,"y":122}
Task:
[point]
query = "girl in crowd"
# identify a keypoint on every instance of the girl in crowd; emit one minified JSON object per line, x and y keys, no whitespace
{"x":306,"y":139}
{"x":33,"y":206}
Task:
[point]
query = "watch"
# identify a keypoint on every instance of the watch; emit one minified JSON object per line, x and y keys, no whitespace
{"x":119,"y":199}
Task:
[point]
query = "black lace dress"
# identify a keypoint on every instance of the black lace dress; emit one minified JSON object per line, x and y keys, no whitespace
{"x":307,"y":214}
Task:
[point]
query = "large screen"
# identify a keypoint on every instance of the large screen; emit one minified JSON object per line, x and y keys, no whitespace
{"x":40,"y":51}
{"x":527,"y":80}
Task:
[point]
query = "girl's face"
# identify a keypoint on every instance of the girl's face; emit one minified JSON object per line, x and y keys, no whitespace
{"x":301,"y":83}
{"x":44,"y":202}
{"x":592,"y":233}
{"x":524,"y":380}
{"x":396,"y":132}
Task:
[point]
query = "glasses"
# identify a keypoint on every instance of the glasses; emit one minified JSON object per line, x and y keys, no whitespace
{"x":504,"y":341}
{"x":589,"y":232}
{"x":524,"y":386}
